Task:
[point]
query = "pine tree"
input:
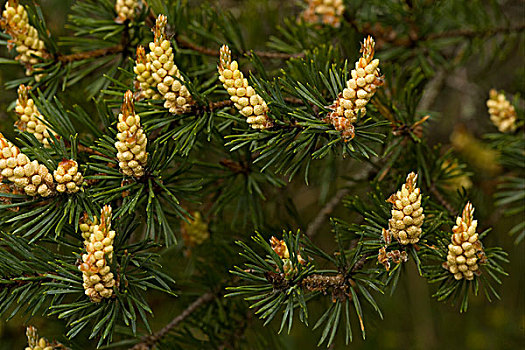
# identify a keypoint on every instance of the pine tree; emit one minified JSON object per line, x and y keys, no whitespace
{"x":162,"y":149}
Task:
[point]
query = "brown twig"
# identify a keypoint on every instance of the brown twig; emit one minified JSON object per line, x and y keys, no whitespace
{"x":211,"y":106}
{"x":442,"y":200}
{"x":294,"y":100}
{"x":182,"y":42}
{"x":220,"y":104}
{"x":278,"y":55}
{"x":185,"y":43}
{"x":384,"y":111}
{"x":388,"y":35}
{"x":360,"y":263}
{"x":149,"y":341}
{"x":194,"y":47}
{"x":338,"y":285}
{"x":380,"y":34}
{"x":432,"y":90}
{"x":90,"y":54}
{"x":120,"y":48}
{"x":235,"y":167}
{"x":196,"y":108}
{"x":316,"y":223}
{"x":469,"y":33}
{"x":86,"y":149}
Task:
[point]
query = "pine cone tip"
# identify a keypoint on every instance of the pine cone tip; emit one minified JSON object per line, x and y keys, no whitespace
{"x":128,"y":105}
{"x":160,"y":28}
{"x":225,"y":57}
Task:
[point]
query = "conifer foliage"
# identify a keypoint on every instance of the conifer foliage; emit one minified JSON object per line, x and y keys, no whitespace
{"x":188,"y":143}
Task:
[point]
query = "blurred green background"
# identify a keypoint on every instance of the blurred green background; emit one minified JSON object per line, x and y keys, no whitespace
{"x":412,"y":319}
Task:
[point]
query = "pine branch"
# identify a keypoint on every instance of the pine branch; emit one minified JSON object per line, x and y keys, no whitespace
{"x":338,"y":284}
{"x":185,"y":43}
{"x":294,"y":100}
{"x":235,"y":167}
{"x":83,"y":149}
{"x":182,"y":42}
{"x":360,"y":263}
{"x":91,"y":54}
{"x":432,"y":91}
{"x":277,"y":55}
{"x":219,"y":104}
{"x":442,"y":200}
{"x":86,"y":149}
{"x":470,"y":33}
{"x":197,"y":48}
{"x":197,"y":108}
{"x":387,"y":35}
{"x":23,"y":280}
{"x":315,"y":225}
{"x":150,"y":341}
